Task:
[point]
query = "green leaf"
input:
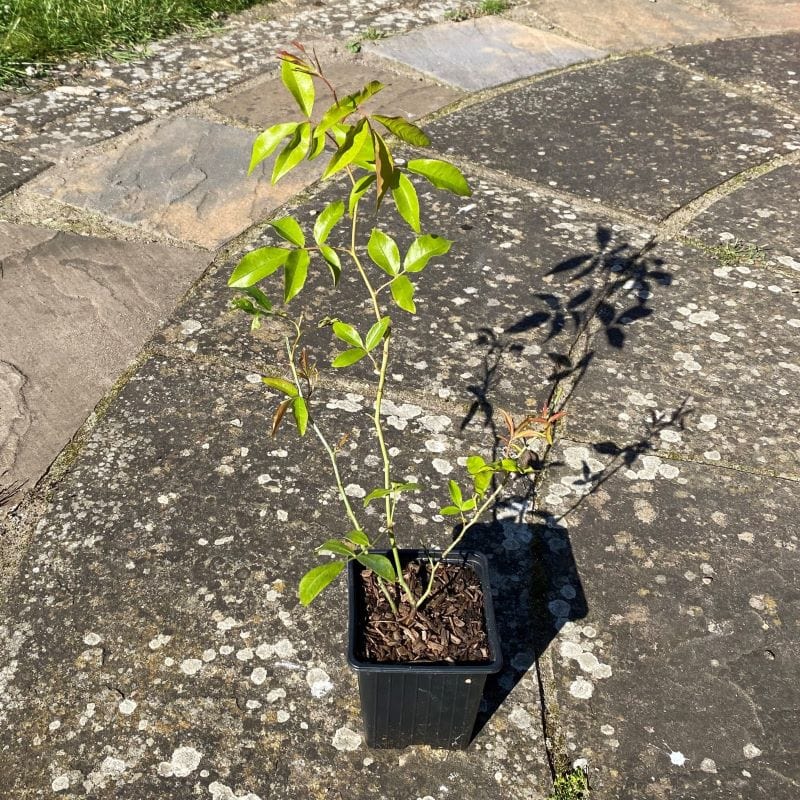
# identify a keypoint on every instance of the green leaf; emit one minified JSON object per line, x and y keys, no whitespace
{"x":293,"y":153}
{"x":324,"y":223}
{"x":316,"y":579}
{"x":348,"y":357}
{"x":376,"y":333}
{"x":359,"y":190}
{"x":332,"y":260}
{"x":268,"y":140}
{"x":475,"y":464}
{"x":406,"y":200}
{"x":257,"y":265}
{"x":376,"y":494}
{"x":482,"y":481}
{"x":441,"y":174}
{"x":300,"y":84}
{"x":358,"y":537}
{"x":289,"y":228}
{"x":335,"y":548}
{"x":403,"y":293}
{"x":300,"y":412}
{"x":469,"y":505}
{"x":347,"y":105}
{"x":509,"y":465}
{"x":261,"y":299}
{"x":423,"y":249}
{"x":380,"y":565}
{"x":347,"y":333}
{"x":455,"y":493}
{"x":295,"y":273}
{"x":404,"y":130}
{"x":383,"y":250}
{"x":450,"y":511}
{"x":384,"y":167}
{"x":243,"y":304}
{"x":281,"y":384}
{"x":349,"y":149}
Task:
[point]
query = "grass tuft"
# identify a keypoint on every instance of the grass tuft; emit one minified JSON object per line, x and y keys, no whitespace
{"x":571,"y":785}
{"x":485,"y":8}
{"x":35,"y":34}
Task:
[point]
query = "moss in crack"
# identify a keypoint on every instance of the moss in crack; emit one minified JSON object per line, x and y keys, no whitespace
{"x":571,"y":784}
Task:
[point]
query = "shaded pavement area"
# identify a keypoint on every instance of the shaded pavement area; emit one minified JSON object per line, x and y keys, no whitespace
{"x":630,"y":255}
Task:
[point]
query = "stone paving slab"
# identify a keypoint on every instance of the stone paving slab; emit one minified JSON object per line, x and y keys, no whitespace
{"x":268,"y":102}
{"x":772,"y":16}
{"x":153,"y":645}
{"x":624,"y":25}
{"x":17,"y":169}
{"x":76,"y":311}
{"x":636,"y":133}
{"x":765,"y":215}
{"x":680,"y":680}
{"x":493,"y":317}
{"x":769,"y":66}
{"x":719,"y":342}
{"x":481,"y":53}
{"x":183,"y":177}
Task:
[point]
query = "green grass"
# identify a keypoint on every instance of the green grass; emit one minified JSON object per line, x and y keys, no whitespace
{"x":38,"y":33}
{"x":571,"y":785}
{"x":485,"y":8}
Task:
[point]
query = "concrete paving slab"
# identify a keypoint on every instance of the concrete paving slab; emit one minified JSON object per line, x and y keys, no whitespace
{"x":17,"y":169}
{"x":484,"y":52}
{"x":154,"y":647}
{"x":720,"y":343}
{"x":765,"y":214}
{"x":768,"y":66}
{"x":76,"y":311}
{"x":624,"y":25}
{"x":680,"y":680}
{"x":182,"y":177}
{"x":268,"y":102}
{"x":494,"y":317}
{"x":772,"y":16}
{"x":636,"y":133}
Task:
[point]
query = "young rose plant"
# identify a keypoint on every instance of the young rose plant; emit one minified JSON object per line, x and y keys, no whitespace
{"x":356,"y":143}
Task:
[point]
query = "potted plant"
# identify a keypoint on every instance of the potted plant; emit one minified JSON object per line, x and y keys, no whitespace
{"x":422,"y":635}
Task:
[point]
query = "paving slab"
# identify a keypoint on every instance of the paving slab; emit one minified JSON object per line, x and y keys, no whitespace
{"x":767,"y":65}
{"x":720,"y":345}
{"x":17,"y":169}
{"x":772,"y":16}
{"x":153,"y":645}
{"x":76,"y":311}
{"x":494,"y":317}
{"x":182,"y":177}
{"x":484,"y":52}
{"x":679,"y":681}
{"x":764,"y":213}
{"x":268,"y":102}
{"x":636,"y":133}
{"x":624,"y":25}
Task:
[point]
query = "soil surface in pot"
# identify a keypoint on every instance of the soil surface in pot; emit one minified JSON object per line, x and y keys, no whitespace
{"x":448,"y":628}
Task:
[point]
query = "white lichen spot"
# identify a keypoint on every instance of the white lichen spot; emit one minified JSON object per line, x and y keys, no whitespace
{"x":669,"y":471}
{"x":163,"y":499}
{"x":273,"y":695}
{"x":721,"y":338}
{"x":127,"y":706}
{"x":746,"y":536}
{"x":588,"y":661}
{"x":669,"y":435}
{"x":319,"y":682}
{"x":520,"y":718}
{"x":677,"y":758}
{"x":346,"y":740}
{"x":54,"y":725}
{"x":435,"y":423}
{"x":225,"y":469}
{"x":559,"y":607}
{"x":442,"y":466}
{"x":208,"y":655}
{"x":190,"y":326}
{"x":354,"y":490}
{"x":258,"y":676}
{"x":191,"y":666}
{"x":607,"y":730}
{"x":263,"y":478}
{"x":707,"y":422}
{"x":581,"y":688}
{"x":113,"y":766}
{"x":751,"y":751}
{"x":245,"y":654}
{"x":253,"y":377}
{"x":713,"y":455}
{"x":92,"y":639}
{"x":702,"y":318}
{"x":436,"y":445}
{"x":60,"y":783}
{"x":184,"y":761}
{"x":219,"y":791}
{"x":708,"y":765}
{"x":282,"y":716}
{"x":601,"y":671}
{"x":159,"y":641}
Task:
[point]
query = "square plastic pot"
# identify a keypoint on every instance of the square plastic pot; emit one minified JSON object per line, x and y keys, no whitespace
{"x":421,"y":703}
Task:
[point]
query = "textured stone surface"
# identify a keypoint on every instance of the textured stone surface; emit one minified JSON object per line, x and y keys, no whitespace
{"x":268,"y":102}
{"x":680,"y":680}
{"x":16,"y":170}
{"x":720,"y":344}
{"x":636,"y":132}
{"x":183,"y":177}
{"x":766,"y":215}
{"x":768,"y":16}
{"x":154,"y":645}
{"x":75,"y":313}
{"x":769,"y":66}
{"x":483,"y":52}
{"x":625,"y":25}
{"x":494,"y":317}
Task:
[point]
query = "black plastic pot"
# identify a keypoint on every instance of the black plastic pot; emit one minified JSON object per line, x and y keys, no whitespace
{"x":421,"y":703}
